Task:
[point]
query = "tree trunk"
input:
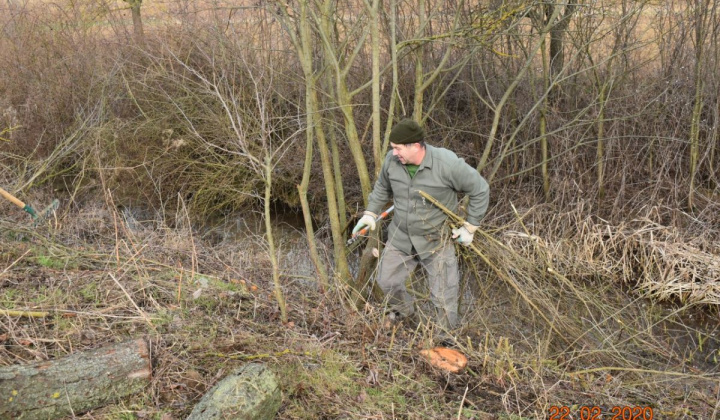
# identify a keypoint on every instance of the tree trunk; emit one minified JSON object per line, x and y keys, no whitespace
{"x":337,"y":163}
{"x":418,"y":96}
{"x":368,"y":265}
{"x":76,"y":383}
{"x":304,"y":45}
{"x":557,"y":53}
{"x":701,"y":13}
{"x":138,"y":30}
{"x":342,"y":65}
{"x":557,"y":45}
{"x":543,"y":124}
{"x":394,"y":87}
{"x":137,"y":24}
{"x":373,"y":11}
{"x":600,"y":151}
{"x":341,"y":264}
{"x":271,"y":242}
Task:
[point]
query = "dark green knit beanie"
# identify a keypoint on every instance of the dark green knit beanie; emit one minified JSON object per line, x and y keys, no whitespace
{"x":407,"y":131}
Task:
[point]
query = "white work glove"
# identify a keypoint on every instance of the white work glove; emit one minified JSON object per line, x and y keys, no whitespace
{"x":368,"y":219}
{"x":464,"y":234}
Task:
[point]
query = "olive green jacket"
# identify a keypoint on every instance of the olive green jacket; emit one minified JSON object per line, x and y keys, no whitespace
{"x":417,"y":223}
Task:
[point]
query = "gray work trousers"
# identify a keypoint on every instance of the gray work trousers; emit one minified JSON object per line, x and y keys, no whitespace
{"x":443,"y":281}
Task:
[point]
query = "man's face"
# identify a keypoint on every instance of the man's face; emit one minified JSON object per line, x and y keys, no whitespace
{"x":407,"y":153}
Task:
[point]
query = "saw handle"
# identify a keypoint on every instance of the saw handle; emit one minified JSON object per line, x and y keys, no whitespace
{"x":12,"y":198}
{"x":19,"y":203}
{"x":366,"y":229}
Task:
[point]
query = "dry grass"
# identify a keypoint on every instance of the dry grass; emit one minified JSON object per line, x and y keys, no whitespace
{"x":104,"y":276}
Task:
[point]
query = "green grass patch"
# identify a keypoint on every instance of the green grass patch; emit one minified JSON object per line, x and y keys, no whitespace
{"x":54,"y":260}
{"x":319,"y":388}
{"x":51,"y":262}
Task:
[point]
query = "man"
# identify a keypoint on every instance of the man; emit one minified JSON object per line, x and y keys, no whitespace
{"x":417,"y":233}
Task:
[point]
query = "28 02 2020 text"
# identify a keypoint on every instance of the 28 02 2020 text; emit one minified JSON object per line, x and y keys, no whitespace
{"x":594,"y":412}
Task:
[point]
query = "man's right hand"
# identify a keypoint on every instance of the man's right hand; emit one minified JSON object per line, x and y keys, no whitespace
{"x":368,"y":220}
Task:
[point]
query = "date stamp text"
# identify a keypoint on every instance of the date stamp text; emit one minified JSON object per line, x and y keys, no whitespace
{"x":593,"y":412}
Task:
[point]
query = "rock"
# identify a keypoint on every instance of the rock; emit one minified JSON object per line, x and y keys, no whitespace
{"x":249,"y":393}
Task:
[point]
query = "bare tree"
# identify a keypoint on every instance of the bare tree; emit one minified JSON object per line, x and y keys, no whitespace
{"x":250,"y":121}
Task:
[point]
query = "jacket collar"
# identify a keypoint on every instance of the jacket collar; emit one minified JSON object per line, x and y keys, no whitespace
{"x":427,"y":161}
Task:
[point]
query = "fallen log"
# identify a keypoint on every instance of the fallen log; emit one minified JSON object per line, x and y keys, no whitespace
{"x":74,"y":384}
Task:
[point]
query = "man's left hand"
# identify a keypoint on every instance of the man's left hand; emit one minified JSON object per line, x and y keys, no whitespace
{"x":464,"y":234}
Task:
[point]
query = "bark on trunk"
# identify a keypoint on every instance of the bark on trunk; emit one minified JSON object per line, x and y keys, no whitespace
{"x":137,"y":23}
{"x":368,"y":265}
{"x":74,"y":384}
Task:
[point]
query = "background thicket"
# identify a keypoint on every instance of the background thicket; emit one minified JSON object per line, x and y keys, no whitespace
{"x":168,"y":127}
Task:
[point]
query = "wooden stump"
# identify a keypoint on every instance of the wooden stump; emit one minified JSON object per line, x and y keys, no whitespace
{"x":368,"y":265}
{"x":74,"y":384}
